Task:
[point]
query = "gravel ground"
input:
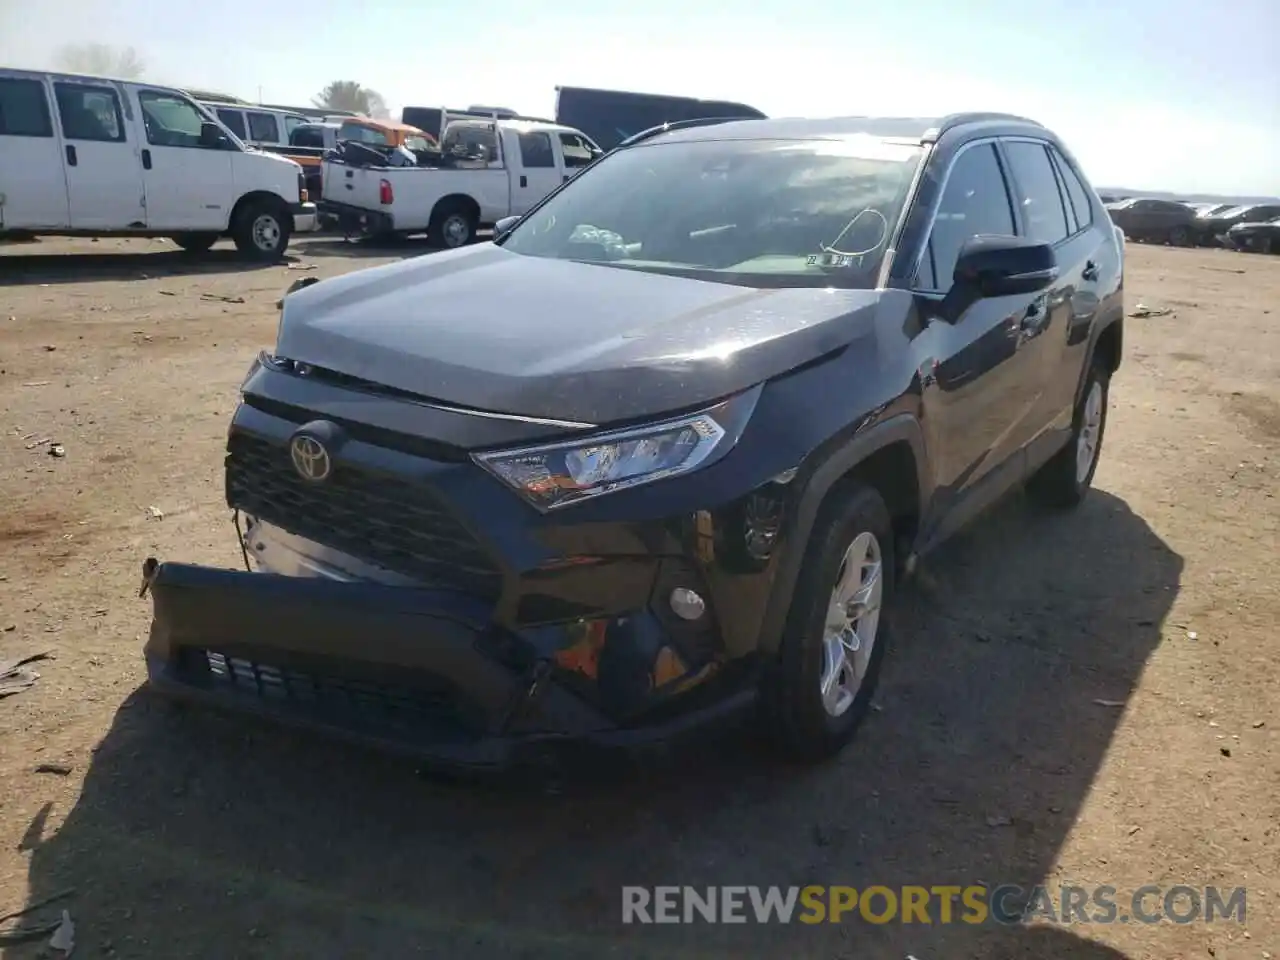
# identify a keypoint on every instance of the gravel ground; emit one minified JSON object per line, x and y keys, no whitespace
{"x":1088,"y":699}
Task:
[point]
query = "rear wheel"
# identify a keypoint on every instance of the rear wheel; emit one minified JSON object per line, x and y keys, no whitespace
{"x":195,"y":242}
{"x":821,"y":685}
{"x":452,"y":226}
{"x":262,"y":230}
{"x":1065,"y":479}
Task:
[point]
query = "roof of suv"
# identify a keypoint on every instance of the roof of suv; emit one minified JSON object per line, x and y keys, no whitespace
{"x":911,"y":128}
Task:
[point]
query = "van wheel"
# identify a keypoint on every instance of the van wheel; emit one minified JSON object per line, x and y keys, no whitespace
{"x":452,"y":226}
{"x":262,"y":230}
{"x":195,"y":242}
{"x":1066,"y":477}
{"x":820,"y":688}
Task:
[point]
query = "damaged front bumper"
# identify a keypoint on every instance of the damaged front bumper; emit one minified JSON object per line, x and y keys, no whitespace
{"x":411,"y":670}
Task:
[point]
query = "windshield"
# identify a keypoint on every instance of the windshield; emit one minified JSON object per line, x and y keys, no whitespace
{"x":764,"y":213}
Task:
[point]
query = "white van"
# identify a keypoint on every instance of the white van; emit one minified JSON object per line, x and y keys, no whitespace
{"x":88,"y":156}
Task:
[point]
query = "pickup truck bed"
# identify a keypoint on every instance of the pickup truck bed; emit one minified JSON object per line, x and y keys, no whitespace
{"x":451,"y":204}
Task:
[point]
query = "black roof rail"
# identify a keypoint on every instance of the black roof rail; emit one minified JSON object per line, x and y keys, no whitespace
{"x":960,"y":119}
{"x":674,"y":125}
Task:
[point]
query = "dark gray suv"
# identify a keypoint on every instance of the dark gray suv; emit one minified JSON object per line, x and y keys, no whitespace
{"x":659,"y":454}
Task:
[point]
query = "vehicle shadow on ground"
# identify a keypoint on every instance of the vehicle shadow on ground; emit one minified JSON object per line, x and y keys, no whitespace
{"x":26,"y":269}
{"x":203,"y":836}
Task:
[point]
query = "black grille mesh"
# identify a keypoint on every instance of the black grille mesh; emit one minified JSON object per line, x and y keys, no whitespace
{"x":384,"y":520}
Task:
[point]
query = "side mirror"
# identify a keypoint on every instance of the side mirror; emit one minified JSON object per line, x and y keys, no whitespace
{"x":998,"y":266}
{"x":211,"y":135}
{"x":503,"y":227}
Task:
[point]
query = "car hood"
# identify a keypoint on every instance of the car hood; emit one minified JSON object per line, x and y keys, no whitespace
{"x":496,"y":331}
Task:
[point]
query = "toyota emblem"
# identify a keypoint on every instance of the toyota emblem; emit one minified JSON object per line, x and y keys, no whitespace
{"x":310,"y":458}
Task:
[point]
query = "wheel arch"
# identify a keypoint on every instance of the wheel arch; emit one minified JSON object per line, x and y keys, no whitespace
{"x":890,"y":456}
{"x":254,"y":197}
{"x":453,"y":201}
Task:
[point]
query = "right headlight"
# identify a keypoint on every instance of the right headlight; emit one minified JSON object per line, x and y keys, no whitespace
{"x":558,"y":474}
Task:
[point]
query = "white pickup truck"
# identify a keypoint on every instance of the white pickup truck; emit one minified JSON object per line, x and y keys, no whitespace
{"x":488,"y":170}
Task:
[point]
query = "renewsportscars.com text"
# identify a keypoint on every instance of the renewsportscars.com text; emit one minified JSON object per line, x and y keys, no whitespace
{"x":1007,"y":904}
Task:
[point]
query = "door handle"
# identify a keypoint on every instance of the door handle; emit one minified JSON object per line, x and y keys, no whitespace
{"x":146,"y":159}
{"x":71,"y":154}
{"x":524,"y":181}
{"x":568,"y":177}
{"x":1090,"y":271}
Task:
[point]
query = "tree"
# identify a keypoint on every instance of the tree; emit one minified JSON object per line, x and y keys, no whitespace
{"x":99,"y":58}
{"x":349,"y":95}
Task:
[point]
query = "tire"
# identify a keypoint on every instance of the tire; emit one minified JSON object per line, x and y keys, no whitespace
{"x":453,"y":225}
{"x":195,"y":242}
{"x":262,"y":230}
{"x":806,"y":726}
{"x":1064,"y":479}
{"x":1180,"y":237}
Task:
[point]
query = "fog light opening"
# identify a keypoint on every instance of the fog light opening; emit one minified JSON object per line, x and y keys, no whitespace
{"x":687,"y":604}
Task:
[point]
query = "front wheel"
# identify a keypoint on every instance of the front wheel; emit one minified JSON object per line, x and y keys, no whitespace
{"x":818,"y":691}
{"x":195,"y":242}
{"x":1180,"y":237}
{"x":262,"y":231}
{"x":1066,"y":477}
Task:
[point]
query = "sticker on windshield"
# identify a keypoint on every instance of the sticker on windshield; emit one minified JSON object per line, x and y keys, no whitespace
{"x":834,"y":260}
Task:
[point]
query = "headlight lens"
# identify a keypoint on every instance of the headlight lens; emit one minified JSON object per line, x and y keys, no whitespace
{"x":558,"y":474}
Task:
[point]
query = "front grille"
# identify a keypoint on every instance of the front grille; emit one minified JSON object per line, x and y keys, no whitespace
{"x":353,"y":701}
{"x":384,"y":520}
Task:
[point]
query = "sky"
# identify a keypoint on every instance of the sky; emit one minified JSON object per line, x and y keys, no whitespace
{"x":1178,"y":95}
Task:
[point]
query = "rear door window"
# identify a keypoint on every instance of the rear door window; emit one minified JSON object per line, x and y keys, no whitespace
{"x":535,"y":151}
{"x":1044,"y":217}
{"x":24,"y":109}
{"x":89,"y":113}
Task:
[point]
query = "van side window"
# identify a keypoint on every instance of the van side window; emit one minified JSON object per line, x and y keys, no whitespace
{"x":535,"y":151}
{"x":24,"y":111}
{"x":89,"y":112}
{"x":291,"y":124}
{"x":262,"y":127}
{"x":975,"y":201}
{"x":169,"y":120}
{"x":234,"y":121}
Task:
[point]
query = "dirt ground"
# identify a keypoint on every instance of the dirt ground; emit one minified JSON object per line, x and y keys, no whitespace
{"x":1088,"y":699}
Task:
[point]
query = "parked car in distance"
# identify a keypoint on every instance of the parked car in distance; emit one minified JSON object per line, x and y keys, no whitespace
{"x":659,"y":454}
{"x":1213,"y":230}
{"x":1153,"y":221}
{"x":484,"y":174}
{"x":1209,"y":209}
{"x":90,"y":156}
{"x":1259,"y":237}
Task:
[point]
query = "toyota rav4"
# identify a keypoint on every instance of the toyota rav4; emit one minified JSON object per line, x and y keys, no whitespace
{"x":659,"y":454}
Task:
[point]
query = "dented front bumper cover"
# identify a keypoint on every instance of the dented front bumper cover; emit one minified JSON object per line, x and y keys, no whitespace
{"x":411,"y":670}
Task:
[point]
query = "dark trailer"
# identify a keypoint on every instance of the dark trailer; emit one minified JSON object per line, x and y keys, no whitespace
{"x":610,"y":116}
